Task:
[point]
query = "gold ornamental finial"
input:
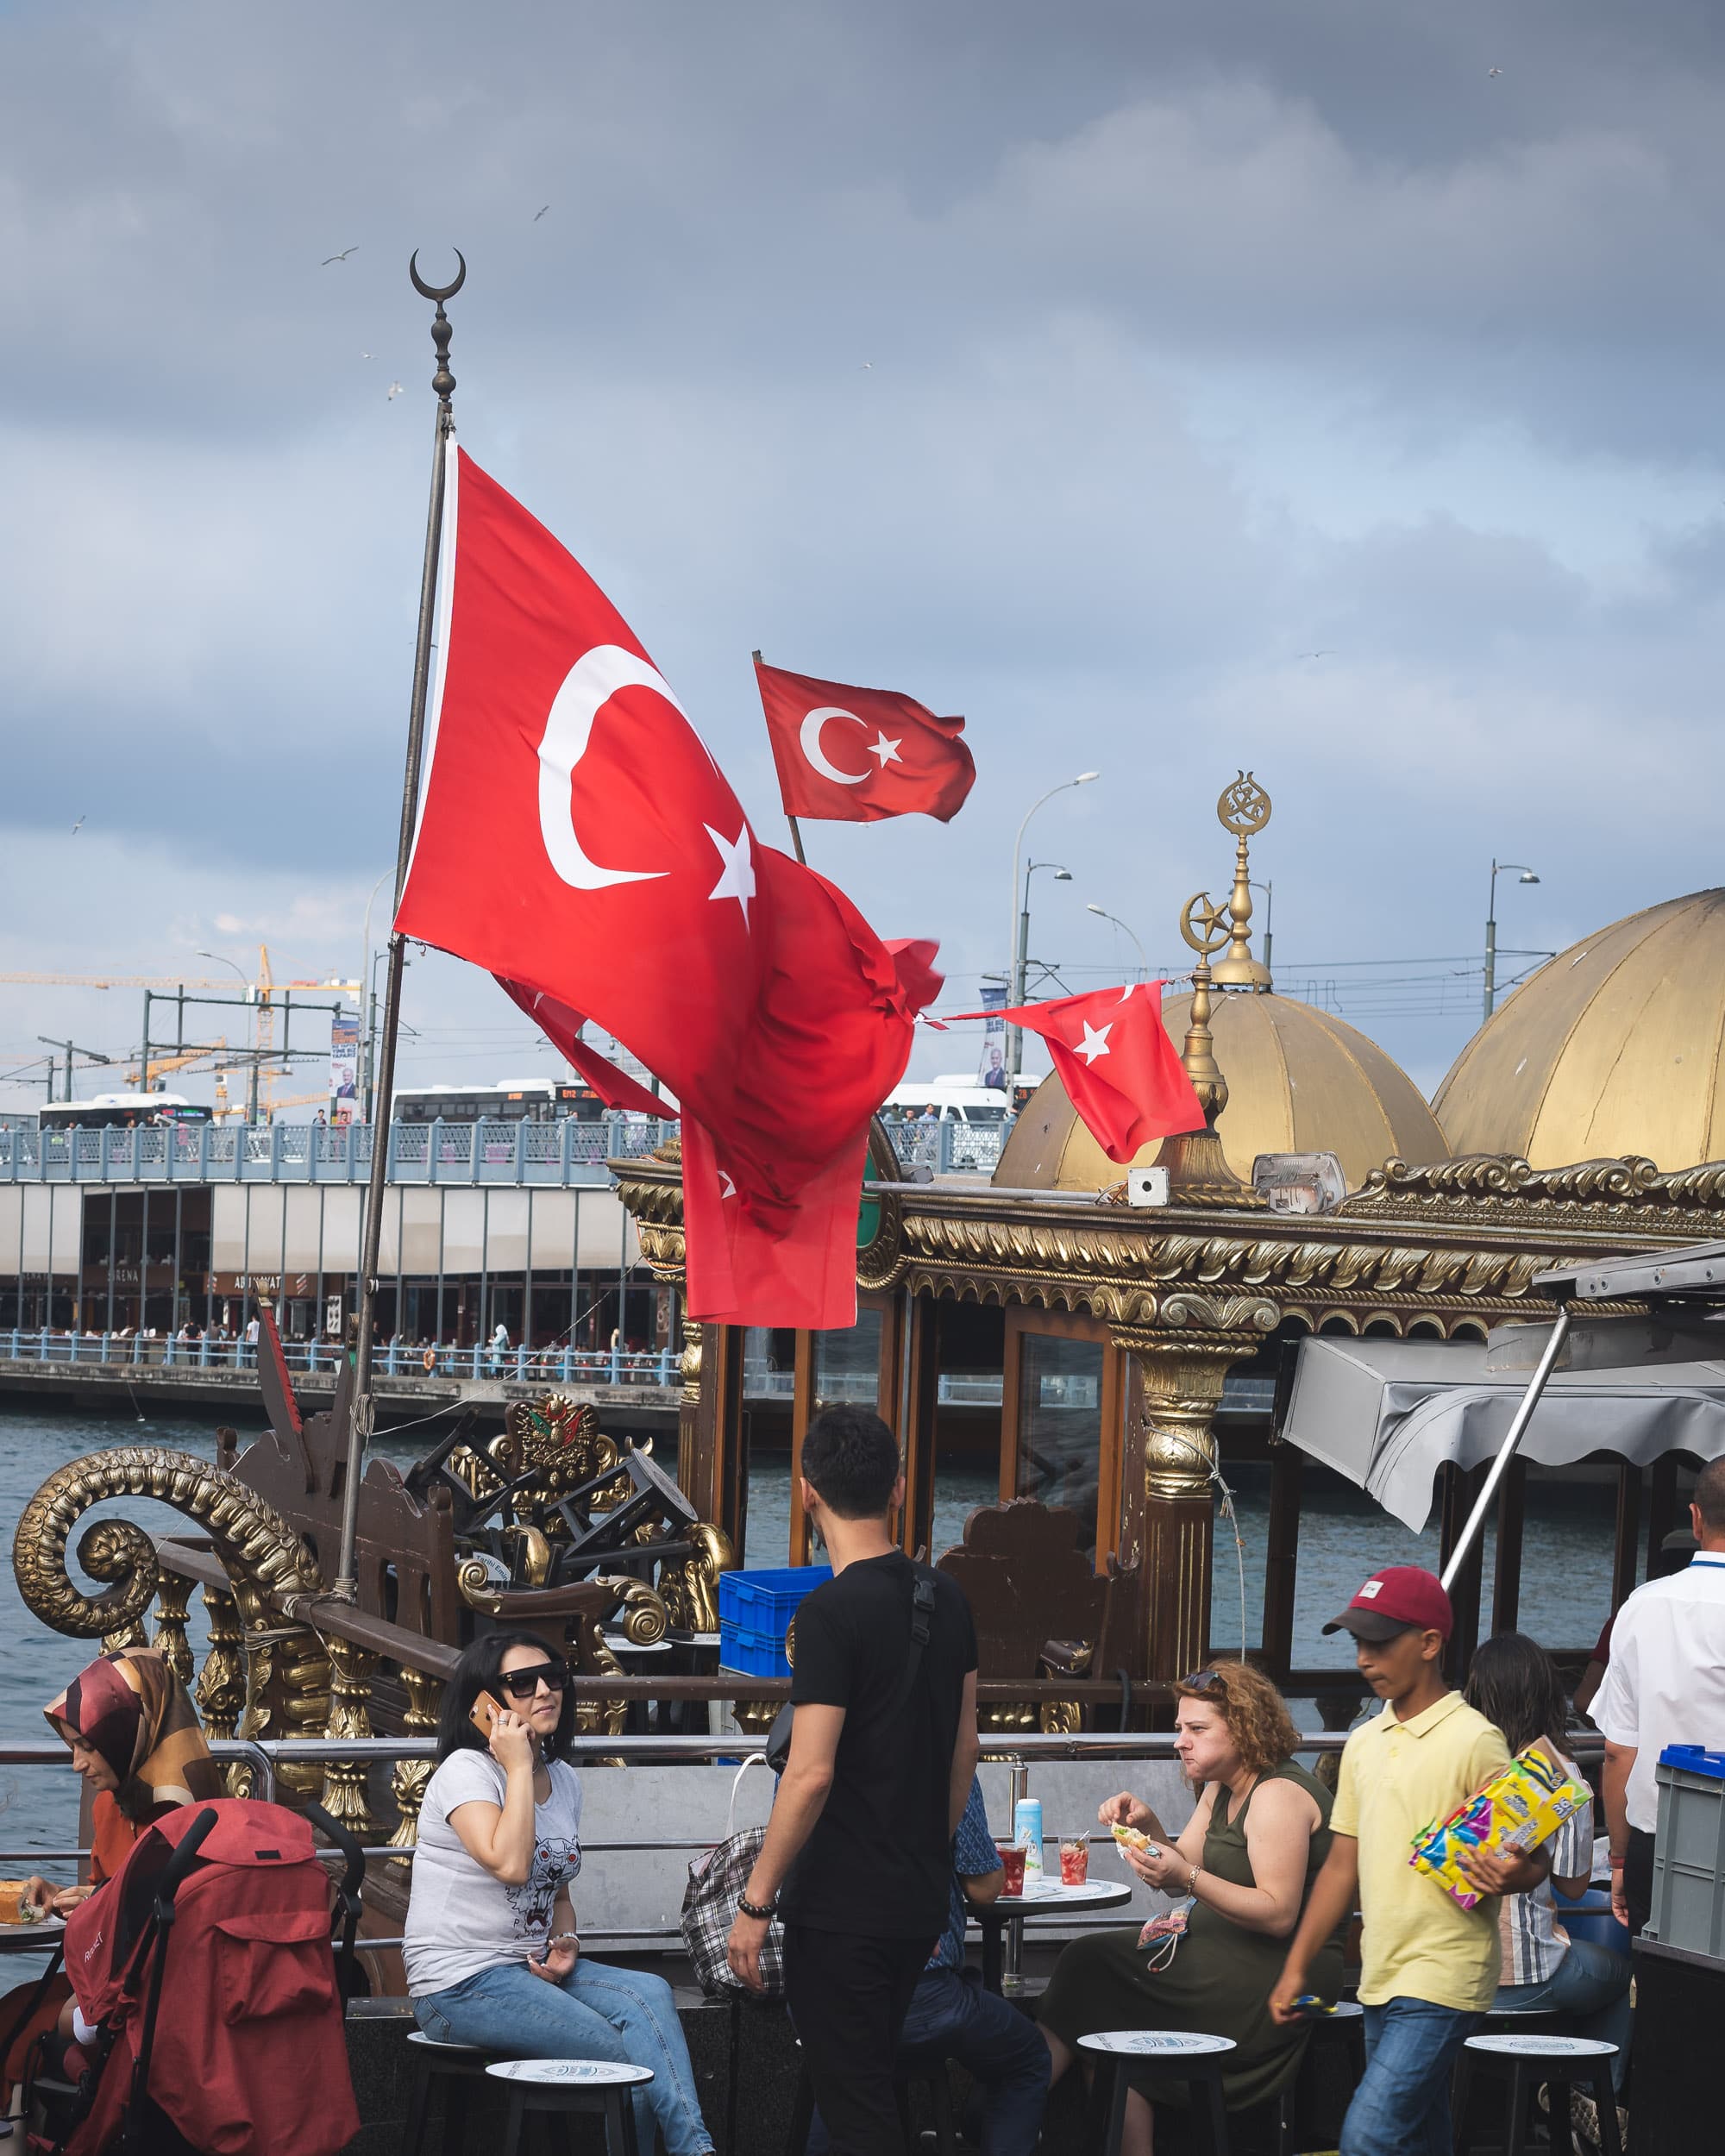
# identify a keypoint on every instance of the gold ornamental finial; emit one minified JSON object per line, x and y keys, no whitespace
{"x":1197,"y":1169}
{"x":1243,"y":809}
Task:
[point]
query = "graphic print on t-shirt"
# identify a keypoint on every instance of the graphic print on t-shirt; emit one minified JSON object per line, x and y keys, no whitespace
{"x":556,"y":1858}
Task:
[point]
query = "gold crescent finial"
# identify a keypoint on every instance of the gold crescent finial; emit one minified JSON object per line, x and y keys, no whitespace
{"x":1243,"y":809}
{"x":1205,"y":927}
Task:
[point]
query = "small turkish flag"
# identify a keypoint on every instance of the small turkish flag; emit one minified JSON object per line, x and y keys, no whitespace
{"x":576,"y":838}
{"x":1121,"y":1070}
{"x":849,"y":755}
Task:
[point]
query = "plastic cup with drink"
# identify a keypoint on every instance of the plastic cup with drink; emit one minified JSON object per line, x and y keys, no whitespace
{"x":1075,"y":1860}
{"x":1011,"y":1856}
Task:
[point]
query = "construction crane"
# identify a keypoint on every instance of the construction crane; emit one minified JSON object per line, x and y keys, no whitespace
{"x":105,"y":981}
{"x":159,"y":1066}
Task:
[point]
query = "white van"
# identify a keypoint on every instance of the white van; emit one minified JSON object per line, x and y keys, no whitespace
{"x":956,"y":1099}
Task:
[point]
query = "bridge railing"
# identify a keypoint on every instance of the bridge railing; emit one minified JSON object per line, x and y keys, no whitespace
{"x":559,"y":1365}
{"x":566,"y":1152}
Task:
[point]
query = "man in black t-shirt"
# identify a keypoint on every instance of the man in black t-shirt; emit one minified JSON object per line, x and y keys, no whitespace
{"x":883,"y":1747}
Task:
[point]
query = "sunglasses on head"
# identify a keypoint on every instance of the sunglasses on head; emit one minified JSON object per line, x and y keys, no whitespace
{"x":524,"y":1684}
{"x":1205,"y":1680}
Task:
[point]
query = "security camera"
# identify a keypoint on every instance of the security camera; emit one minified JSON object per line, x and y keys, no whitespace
{"x":1146,"y":1186}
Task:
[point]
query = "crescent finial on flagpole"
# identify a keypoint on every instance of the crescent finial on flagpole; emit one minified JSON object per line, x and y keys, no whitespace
{"x":439,"y":292}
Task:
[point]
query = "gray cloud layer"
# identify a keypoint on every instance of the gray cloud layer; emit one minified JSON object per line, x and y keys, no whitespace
{"x":1197,"y":341}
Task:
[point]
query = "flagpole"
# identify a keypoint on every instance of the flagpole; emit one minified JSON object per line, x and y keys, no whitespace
{"x":796,"y":835}
{"x":364,"y":1407}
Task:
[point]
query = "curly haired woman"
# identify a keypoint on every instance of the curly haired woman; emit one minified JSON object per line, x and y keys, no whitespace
{"x":1246,"y":1860}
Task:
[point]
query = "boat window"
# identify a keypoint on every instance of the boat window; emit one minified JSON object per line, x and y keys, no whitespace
{"x":847,"y":1364}
{"x":1060,"y":1425}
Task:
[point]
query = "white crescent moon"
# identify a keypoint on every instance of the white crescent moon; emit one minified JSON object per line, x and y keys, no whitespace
{"x":811,"y":744}
{"x":588,"y":685}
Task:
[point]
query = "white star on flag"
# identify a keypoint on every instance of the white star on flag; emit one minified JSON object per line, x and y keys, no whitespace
{"x":887,"y":751}
{"x":736,"y":876}
{"x":1094,"y":1043}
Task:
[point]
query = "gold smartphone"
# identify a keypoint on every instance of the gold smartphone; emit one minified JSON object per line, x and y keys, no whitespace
{"x":483,"y":1714}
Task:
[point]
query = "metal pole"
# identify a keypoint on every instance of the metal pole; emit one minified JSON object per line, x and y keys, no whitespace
{"x":1491,"y":944}
{"x":1507,"y":1451}
{"x":360,"y":1430}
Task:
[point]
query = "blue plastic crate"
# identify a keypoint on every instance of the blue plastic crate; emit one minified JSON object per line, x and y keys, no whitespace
{"x":755,"y":1612}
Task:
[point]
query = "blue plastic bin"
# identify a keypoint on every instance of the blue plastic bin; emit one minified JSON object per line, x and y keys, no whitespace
{"x":1591,"y":1918}
{"x":755,"y":1612}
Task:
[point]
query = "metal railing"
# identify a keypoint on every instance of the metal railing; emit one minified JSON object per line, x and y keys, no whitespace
{"x":563,"y":1153}
{"x":949,"y":1148}
{"x":443,"y":1358}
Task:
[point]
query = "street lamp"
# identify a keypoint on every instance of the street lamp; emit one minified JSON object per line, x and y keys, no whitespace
{"x":1526,"y":875}
{"x":1103,"y":914}
{"x":1268,"y":891}
{"x":252,"y":1109}
{"x":1021,"y":919}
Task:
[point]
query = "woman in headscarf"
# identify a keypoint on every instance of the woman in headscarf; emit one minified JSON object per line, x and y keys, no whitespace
{"x":137,"y":1747}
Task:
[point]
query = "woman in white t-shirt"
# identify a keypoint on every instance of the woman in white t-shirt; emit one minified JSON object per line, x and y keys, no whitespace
{"x":491,"y":1955}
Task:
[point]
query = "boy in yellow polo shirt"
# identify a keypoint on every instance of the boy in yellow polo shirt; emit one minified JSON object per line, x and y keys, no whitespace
{"x":1429,"y":1967}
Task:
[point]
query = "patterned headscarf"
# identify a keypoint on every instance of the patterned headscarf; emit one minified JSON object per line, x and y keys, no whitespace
{"x":133,"y":1713}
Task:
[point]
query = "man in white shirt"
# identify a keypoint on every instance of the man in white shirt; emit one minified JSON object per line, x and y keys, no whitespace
{"x":1665,"y":1685}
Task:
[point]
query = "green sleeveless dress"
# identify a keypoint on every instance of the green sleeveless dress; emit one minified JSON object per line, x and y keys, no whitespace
{"x":1219,"y":1981}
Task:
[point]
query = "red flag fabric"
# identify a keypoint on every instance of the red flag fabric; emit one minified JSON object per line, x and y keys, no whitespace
{"x":851,"y":756}
{"x":1121,"y":1072}
{"x":576,"y":838}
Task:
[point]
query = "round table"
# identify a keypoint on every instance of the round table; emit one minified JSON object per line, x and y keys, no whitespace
{"x":1002,"y":1922}
{"x":33,"y":1939}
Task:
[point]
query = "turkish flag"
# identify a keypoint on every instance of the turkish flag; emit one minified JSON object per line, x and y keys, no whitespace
{"x":576,"y":838}
{"x":1121,"y":1070}
{"x":851,"y":756}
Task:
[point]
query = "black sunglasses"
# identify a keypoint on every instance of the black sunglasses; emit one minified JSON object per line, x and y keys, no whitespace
{"x":524,"y":1684}
{"x":1205,"y":1680}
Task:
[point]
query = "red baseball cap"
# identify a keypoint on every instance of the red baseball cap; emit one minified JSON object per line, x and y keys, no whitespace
{"x":1401,"y":1598}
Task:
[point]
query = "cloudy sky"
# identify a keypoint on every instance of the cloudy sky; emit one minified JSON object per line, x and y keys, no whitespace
{"x":1086,"y":370}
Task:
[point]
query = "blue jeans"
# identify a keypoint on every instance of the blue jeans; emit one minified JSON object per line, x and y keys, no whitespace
{"x":1591,"y":1985}
{"x":1402,"y":2106}
{"x":596,"y":2012}
{"x":951,"y":2016}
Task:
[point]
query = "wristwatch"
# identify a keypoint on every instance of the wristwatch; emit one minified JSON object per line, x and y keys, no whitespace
{"x":746,"y":1907}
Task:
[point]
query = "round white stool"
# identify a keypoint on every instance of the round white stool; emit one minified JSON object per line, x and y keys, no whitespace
{"x":559,"y":2086}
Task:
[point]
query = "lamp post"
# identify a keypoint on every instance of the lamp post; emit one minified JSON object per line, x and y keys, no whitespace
{"x":1268,"y":891}
{"x":1103,"y":914}
{"x":1526,"y":875}
{"x":1020,"y":921}
{"x":252,"y":1097}
{"x":1022,"y":950}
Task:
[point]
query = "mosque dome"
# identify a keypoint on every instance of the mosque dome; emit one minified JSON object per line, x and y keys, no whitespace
{"x":1612,"y":1047}
{"x":1300,"y":1080}
{"x":1297,"y":1079}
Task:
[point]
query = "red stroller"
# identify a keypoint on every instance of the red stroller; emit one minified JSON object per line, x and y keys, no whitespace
{"x":206,"y":1967}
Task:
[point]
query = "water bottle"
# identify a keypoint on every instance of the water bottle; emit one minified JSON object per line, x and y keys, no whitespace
{"x":1027,"y":1832}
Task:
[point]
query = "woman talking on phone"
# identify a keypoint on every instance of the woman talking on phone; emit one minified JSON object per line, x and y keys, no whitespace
{"x":492,"y":1952}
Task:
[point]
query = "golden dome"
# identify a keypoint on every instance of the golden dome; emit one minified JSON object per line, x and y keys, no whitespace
{"x":1612,"y":1048}
{"x":1299,"y":1081}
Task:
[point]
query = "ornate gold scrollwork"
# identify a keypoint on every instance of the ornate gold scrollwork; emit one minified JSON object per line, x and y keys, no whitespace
{"x":285,"y":1669}
{"x":640,"y":1615}
{"x":691,"y":1591}
{"x":252,"y":1540}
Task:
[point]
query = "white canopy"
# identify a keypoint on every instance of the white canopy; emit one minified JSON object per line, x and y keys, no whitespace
{"x":1388,"y":1413}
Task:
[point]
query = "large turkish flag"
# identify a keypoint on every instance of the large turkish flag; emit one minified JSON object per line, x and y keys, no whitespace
{"x":1121,"y":1072}
{"x":577,"y":839}
{"x":852,"y":756}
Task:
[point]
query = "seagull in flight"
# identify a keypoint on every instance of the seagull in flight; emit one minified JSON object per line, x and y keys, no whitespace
{"x":394,"y":391}
{"x":365,"y":355}
{"x":1493,"y":71}
{"x":341,"y":257}
{"x":1325,"y":654}
{"x":77,"y":827}
{"x":537,"y":214}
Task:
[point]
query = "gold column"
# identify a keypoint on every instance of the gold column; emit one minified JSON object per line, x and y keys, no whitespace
{"x":345,"y":1795}
{"x":173,"y":1596}
{"x":1167,"y":1495}
{"x":407,"y":1784}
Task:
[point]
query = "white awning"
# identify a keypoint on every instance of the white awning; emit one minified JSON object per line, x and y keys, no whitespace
{"x":1388,"y":1413}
